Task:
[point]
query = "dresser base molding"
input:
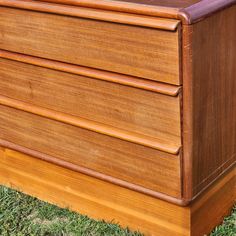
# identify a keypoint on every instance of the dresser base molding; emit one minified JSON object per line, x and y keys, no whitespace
{"x":103,"y":200}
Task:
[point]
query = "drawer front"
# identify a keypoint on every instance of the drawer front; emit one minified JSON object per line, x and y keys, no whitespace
{"x":143,"y":52}
{"x":127,"y":108}
{"x":114,"y":157}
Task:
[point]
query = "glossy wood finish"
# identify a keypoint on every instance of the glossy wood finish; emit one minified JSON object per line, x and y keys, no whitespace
{"x":87,"y":13}
{"x":92,"y":173}
{"x":131,"y":109}
{"x":78,"y":191}
{"x":203,"y":9}
{"x":141,"y":105}
{"x":114,"y":6}
{"x":107,"y":201}
{"x":110,"y":156}
{"x":92,"y":43}
{"x":209,"y":210}
{"x":131,"y":81}
{"x":188,"y":11}
{"x":137,"y":7}
{"x":187,"y":111}
{"x":133,"y":137}
{"x":209,"y":99}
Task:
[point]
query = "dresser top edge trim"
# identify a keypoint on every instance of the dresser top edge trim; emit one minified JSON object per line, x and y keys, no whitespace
{"x":94,"y":14}
{"x":191,"y":14}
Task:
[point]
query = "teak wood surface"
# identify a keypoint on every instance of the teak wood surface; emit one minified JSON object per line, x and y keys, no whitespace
{"x":137,"y":97}
{"x":131,"y":81}
{"x":108,"y":201}
{"x":111,"y":156}
{"x":136,"y":110}
{"x":209,"y":99}
{"x":103,"y":45}
{"x":188,"y":11}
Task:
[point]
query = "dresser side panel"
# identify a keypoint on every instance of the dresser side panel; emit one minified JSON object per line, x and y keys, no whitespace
{"x":212,"y":106}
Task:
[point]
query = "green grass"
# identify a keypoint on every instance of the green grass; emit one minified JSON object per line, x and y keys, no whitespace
{"x":22,"y":215}
{"x":228,"y":228}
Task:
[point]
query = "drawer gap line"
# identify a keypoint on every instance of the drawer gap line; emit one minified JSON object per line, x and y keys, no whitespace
{"x":126,"y":80}
{"x":92,"y":173}
{"x":92,"y":125}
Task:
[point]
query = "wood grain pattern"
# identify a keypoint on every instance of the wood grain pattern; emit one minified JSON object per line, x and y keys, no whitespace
{"x":92,"y":173}
{"x":97,"y":44}
{"x":107,"y":201}
{"x":203,"y":9}
{"x":188,"y":11}
{"x":94,"y":14}
{"x":187,"y":112}
{"x":98,"y":92}
{"x":131,"y":81}
{"x":155,"y":143}
{"x":127,"y":161}
{"x":210,"y":131}
{"x":210,"y":209}
{"x":121,"y":6}
{"x":131,"y":109}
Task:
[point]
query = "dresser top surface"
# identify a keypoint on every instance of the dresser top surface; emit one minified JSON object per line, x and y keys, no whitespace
{"x":163,"y":3}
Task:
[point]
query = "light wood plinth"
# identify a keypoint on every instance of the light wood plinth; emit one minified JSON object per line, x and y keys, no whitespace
{"x":111,"y":202}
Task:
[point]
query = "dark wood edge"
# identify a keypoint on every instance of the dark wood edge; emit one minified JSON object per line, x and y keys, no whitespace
{"x":218,"y":178}
{"x":203,"y":9}
{"x":215,"y":174}
{"x":92,"y":173}
{"x":163,"y":88}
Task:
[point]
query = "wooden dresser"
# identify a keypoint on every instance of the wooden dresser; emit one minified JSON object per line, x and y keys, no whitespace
{"x":122,"y":109}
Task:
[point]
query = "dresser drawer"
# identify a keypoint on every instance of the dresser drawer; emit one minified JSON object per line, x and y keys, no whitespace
{"x":133,"y":50}
{"x":114,"y":157}
{"x":150,"y":115}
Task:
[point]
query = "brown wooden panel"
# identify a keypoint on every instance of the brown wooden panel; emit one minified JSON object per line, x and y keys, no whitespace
{"x":209,"y":210}
{"x":132,"y":109}
{"x":114,"y":6}
{"x":209,"y":98}
{"x":92,"y":126}
{"x":91,"y":196}
{"x":188,"y":11}
{"x":94,"y":14}
{"x":151,"y":216}
{"x":121,"y":6}
{"x":139,"y":51}
{"x":134,"y":163}
{"x":159,"y":87}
